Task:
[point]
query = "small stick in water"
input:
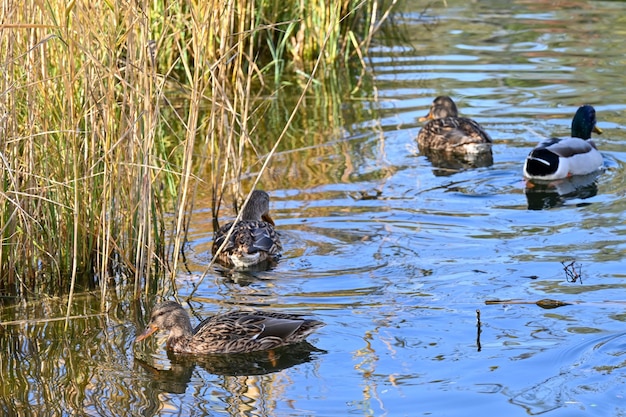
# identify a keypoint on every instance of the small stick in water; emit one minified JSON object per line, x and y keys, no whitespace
{"x":478,"y":330}
{"x":571,"y":275}
{"x":544,"y":303}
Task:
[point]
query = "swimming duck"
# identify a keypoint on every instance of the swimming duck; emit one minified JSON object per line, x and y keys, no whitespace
{"x":253,"y":240}
{"x":447,"y":132}
{"x":234,"y":332}
{"x":559,"y":158}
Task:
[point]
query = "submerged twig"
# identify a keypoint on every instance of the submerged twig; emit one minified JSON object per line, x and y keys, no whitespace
{"x":38,"y":321}
{"x":478,"y":330}
{"x":543,"y":303}
{"x":571,"y":274}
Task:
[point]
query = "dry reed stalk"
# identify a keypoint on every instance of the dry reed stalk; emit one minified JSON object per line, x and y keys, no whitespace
{"x":266,"y":162}
{"x":96,"y":145}
{"x":80,"y":122}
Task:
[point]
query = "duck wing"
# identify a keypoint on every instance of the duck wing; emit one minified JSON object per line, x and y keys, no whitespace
{"x":249,"y":237}
{"x":567,"y":147}
{"x":450,"y":132}
{"x":220,"y":236}
{"x":246,"y":331}
{"x":264,"y":238}
{"x":264,"y":326}
{"x":276,"y":329}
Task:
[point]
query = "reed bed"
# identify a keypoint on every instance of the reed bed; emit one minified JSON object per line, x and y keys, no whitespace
{"x":110,"y":110}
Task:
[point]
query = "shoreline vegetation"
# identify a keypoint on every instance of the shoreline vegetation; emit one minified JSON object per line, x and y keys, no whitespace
{"x":111,"y":114}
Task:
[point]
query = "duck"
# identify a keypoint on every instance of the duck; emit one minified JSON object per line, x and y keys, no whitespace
{"x":254,"y":240}
{"x":559,"y":158}
{"x":233,"y":332}
{"x":447,"y":132}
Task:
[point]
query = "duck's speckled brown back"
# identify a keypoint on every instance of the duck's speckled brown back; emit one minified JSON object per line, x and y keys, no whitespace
{"x":453,"y":134}
{"x":246,"y":331}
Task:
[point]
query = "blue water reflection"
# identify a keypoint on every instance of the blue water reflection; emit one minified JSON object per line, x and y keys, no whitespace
{"x":396,"y":253}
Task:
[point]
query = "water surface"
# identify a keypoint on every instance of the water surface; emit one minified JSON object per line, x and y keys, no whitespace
{"x":396,"y":255}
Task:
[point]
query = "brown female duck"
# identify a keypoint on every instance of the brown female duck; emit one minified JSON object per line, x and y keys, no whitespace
{"x":447,"y":132}
{"x":234,"y":332}
{"x":254,"y":240}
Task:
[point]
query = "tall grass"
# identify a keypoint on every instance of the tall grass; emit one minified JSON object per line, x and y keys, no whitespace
{"x":109,"y":110}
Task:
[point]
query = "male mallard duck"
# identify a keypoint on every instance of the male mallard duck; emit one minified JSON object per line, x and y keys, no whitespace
{"x":447,"y":132}
{"x":559,"y":158}
{"x":234,"y":332}
{"x":253,"y":240}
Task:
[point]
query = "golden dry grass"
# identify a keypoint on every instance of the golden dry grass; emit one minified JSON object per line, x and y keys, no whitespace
{"x":108,"y":111}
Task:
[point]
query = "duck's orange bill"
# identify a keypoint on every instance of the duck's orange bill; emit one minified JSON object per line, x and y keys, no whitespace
{"x":266,"y":218}
{"x":597,"y":130}
{"x":149,"y":330}
{"x":429,"y":116}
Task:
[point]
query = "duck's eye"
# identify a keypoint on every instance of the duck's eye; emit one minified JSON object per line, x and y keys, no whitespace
{"x":155,"y":316}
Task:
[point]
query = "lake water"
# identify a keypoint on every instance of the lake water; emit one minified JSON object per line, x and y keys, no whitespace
{"x":396,"y":255}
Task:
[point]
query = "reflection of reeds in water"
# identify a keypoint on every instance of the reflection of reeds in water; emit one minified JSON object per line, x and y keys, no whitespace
{"x":108,"y":113}
{"x":46,"y":370}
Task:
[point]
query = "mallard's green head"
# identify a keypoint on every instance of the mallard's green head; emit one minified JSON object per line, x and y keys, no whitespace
{"x":584,"y":122}
{"x":442,"y":106}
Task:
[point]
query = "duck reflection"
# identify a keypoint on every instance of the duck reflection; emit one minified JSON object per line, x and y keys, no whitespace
{"x":177,"y":377}
{"x":548,"y":194}
{"x":246,"y":277}
{"x":445,"y":164}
